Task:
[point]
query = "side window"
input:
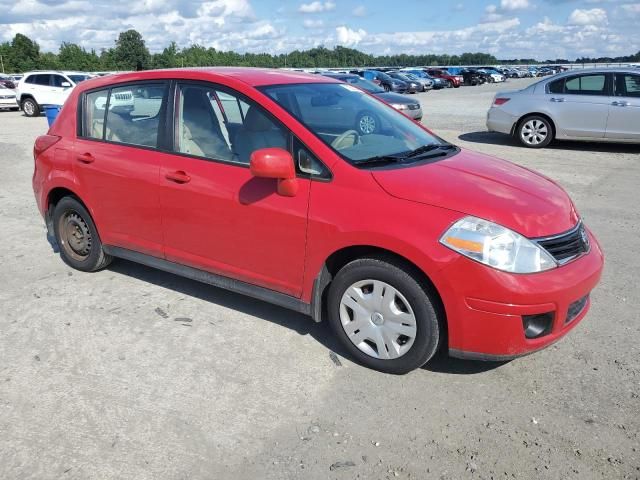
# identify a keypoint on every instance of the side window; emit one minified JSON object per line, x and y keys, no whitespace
{"x":30,"y":79}
{"x":307,"y":163}
{"x":95,"y":107}
{"x":213,"y":123}
{"x":586,"y":85}
{"x":57,"y":80}
{"x":133,"y":115}
{"x":628,"y":85}
{"x":42,"y":79}
{"x":556,"y":86}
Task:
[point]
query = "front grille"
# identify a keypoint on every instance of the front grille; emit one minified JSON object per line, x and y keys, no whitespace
{"x":7,"y":97}
{"x":414,"y":106}
{"x":576,"y":308}
{"x":566,"y":246}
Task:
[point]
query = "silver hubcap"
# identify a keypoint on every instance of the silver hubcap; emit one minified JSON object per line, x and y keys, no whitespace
{"x":378,"y":319}
{"x":367,"y":124}
{"x":534,"y":132}
{"x":28,"y":108}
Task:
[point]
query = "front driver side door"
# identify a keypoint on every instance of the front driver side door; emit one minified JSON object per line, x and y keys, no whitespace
{"x":216,"y":216}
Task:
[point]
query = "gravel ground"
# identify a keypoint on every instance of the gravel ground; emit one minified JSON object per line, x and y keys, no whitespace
{"x":131,"y":373}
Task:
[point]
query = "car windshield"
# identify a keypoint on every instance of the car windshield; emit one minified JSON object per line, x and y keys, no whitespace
{"x":78,"y":78}
{"x":362,"y":83}
{"x":354,"y":124}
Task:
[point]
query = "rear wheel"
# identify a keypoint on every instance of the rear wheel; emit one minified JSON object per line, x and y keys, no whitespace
{"x":383,"y":316}
{"x":367,"y":123}
{"x":30,"y":107}
{"x":535,"y":131}
{"x":77,"y":236}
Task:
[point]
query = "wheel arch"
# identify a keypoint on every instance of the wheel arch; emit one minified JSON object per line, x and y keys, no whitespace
{"x":54,"y":196}
{"x":341,"y":257}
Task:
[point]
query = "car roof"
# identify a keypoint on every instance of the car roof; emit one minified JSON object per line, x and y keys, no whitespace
{"x":248,"y":75}
{"x":596,"y":70}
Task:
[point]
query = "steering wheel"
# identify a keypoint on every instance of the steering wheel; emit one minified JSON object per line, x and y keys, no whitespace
{"x":346,"y":140}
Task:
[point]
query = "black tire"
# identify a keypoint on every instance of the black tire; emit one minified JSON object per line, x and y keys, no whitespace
{"x":84,"y":251}
{"x":521,"y":136}
{"x":30,"y":107}
{"x":15,"y":109}
{"x":449,"y":84}
{"x":367,"y":123}
{"x":428,"y":332}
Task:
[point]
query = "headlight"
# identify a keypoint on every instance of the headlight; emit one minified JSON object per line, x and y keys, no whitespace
{"x":399,"y":106}
{"x":496,"y":246}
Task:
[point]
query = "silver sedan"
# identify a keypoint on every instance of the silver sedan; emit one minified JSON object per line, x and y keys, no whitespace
{"x":593,"y":105}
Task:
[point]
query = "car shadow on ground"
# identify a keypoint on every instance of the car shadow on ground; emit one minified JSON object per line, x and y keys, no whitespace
{"x":301,"y":324}
{"x":494,"y":138}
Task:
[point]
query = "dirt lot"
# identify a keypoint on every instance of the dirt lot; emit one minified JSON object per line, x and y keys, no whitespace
{"x":131,"y":373}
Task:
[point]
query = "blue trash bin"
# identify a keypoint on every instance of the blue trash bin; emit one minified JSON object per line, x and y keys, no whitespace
{"x":51,"y":111}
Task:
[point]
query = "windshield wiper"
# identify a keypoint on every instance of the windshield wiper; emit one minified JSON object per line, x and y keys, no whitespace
{"x":429,"y":148}
{"x":379,"y":159}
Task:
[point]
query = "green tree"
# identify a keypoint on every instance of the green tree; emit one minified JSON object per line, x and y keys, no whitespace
{"x":73,"y":57}
{"x":24,"y":54}
{"x":131,"y":53}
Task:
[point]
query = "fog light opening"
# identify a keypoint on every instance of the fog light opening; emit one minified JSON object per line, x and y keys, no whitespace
{"x":536,"y":326}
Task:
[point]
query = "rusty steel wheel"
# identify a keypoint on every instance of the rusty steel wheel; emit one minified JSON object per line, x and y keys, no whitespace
{"x":76,"y":234}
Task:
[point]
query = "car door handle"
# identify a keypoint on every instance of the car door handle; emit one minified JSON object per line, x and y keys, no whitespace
{"x":85,"y":158}
{"x":178,"y":177}
{"x":620,"y":104}
{"x":556,"y":99}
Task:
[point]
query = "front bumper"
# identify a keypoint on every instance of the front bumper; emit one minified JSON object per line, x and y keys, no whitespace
{"x":485,"y":307}
{"x":500,"y":121}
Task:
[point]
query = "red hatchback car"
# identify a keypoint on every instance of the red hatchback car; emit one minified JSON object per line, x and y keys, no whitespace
{"x":247,"y":180}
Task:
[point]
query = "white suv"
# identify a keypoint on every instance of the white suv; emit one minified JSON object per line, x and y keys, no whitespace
{"x":47,"y":87}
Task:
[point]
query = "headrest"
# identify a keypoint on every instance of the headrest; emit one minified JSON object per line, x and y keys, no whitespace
{"x":256,"y":121}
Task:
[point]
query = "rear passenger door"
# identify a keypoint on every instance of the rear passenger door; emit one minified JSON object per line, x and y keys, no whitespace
{"x":579,"y":105}
{"x":216,"y":216}
{"x":117,"y":158}
{"x":624,"y":113}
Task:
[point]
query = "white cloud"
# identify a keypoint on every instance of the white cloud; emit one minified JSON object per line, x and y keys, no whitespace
{"x":514,"y":4}
{"x":309,"y":23}
{"x":360,"y":11}
{"x":317,"y":7}
{"x":594,"y":16}
{"x":348,"y":37}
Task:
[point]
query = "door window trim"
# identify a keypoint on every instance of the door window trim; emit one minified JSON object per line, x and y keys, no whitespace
{"x":608,"y":87}
{"x":172,"y":125}
{"x":162,"y":144}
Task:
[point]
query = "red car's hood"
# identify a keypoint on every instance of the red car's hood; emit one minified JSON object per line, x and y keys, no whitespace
{"x":486,"y":187}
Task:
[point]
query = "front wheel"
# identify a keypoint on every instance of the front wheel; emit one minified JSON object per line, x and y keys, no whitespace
{"x":535,"y":132}
{"x":383,"y":316}
{"x":30,"y":107}
{"x":77,"y":236}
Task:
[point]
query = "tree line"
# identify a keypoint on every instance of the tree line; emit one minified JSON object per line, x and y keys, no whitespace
{"x":131,"y":53}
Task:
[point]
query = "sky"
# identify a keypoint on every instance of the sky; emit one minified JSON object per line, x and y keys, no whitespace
{"x":541,"y":29}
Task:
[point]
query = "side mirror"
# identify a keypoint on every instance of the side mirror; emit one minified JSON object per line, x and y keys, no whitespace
{"x":275,"y":163}
{"x":65,"y":84}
